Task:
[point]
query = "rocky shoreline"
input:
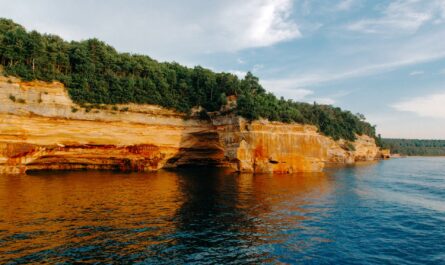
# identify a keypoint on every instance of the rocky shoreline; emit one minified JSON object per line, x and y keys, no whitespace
{"x":42,"y":129}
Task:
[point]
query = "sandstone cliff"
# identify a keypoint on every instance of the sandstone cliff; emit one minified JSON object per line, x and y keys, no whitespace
{"x":41,"y":128}
{"x":263,"y":146}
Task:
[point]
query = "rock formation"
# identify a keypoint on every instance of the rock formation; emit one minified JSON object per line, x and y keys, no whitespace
{"x":41,"y":128}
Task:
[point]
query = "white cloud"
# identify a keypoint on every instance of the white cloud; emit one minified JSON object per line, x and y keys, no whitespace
{"x":326,"y":101}
{"x":257,"y":67}
{"x":240,"y":74}
{"x":318,"y":78}
{"x":289,"y":90}
{"x":386,"y":57}
{"x":259,"y":23}
{"x":240,"y":61}
{"x":416,"y":73}
{"x":295,"y":93}
{"x":167,"y":30}
{"x":402,"y":16}
{"x":402,"y":125}
{"x":344,"y":5}
{"x":427,"y":106}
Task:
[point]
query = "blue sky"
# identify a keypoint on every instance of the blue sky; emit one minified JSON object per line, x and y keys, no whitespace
{"x":385,"y":59}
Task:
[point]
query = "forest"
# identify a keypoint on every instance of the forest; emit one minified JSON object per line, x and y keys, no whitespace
{"x":415,"y":147}
{"x":95,"y":73}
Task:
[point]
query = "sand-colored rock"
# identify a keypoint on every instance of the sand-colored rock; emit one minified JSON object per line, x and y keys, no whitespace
{"x":263,"y":146}
{"x":41,"y":128}
{"x":385,"y":153}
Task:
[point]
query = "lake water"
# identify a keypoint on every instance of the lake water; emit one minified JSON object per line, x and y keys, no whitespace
{"x":391,"y":212}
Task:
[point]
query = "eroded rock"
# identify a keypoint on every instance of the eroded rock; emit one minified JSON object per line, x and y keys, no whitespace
{"x":41,"y":128}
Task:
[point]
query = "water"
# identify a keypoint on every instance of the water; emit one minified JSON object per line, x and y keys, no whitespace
{"x":392,"y":212}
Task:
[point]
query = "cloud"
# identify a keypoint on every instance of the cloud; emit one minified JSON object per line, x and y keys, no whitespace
{"x":326,"y":101}
{"x":259,"y":23}
{"x":402,"y":16}
{"x":402,"y":125}
{"x":257,"y":67}
{"x":345,"y":5}
{"x":295,"y":93}
{"x":380,"y":58}
{"x":427,"y":106}
{"x":240,"y":74}
{"x":319,"y":78}
{"x":298,"y":94}
{"x":416,"y":73}
{"x":240,"y":61}
{"x":167,"y":30}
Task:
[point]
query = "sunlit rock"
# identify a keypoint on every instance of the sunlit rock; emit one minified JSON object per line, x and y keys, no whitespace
{"x":41,"y":128}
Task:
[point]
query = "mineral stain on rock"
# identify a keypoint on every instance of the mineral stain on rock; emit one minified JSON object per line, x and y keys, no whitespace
{"x":49,"y":131}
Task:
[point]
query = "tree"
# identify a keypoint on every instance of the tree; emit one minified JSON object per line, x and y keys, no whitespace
{"x":95,"y":73}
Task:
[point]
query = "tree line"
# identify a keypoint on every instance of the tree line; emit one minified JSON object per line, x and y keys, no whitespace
{"x":415,"y":147}
{"x":95,"y":73}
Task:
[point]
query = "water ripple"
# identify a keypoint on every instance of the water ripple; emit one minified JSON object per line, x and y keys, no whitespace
{"x":386,"y":213}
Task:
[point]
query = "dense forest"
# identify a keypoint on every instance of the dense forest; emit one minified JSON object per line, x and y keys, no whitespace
{"x":414,"y":147}
{"x":95,"y":73}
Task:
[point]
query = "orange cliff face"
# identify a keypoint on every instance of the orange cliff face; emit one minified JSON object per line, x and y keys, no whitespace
{"x":41,"y":128}
{"x":263,"y":146}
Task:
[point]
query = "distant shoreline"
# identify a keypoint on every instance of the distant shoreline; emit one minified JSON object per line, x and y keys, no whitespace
{"x":427,"y":156}
{"x":415,"y":147}
{"x":407,"y":156}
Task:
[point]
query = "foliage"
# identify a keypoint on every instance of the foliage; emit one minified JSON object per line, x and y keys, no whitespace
{"x":415,"y":147}
{"x":95,"y":73}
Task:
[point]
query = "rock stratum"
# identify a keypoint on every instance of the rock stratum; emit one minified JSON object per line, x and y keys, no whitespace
{"x":42,"y":129}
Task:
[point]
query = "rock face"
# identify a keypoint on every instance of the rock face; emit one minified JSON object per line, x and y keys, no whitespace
{"x":41,"y":128}
{"x":263,"y":146}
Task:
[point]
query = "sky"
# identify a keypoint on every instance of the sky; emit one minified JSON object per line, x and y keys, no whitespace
{"x":384,"y":59}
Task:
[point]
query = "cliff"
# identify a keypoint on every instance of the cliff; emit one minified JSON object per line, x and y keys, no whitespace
{"x":263,"y":146}
{"x":41,"y":128}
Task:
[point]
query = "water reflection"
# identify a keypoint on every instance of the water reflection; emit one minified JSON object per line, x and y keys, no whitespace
{"x":164,"y":217}
{"x":386,"y":213}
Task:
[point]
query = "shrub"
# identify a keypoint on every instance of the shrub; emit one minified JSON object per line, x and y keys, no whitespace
{"x":120,"y":78}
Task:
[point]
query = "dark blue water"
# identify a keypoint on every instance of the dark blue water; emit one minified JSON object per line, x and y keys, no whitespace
{"x":392,"y":212}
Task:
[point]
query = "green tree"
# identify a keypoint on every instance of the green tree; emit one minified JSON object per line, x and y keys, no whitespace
{"x":95,"y":73}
